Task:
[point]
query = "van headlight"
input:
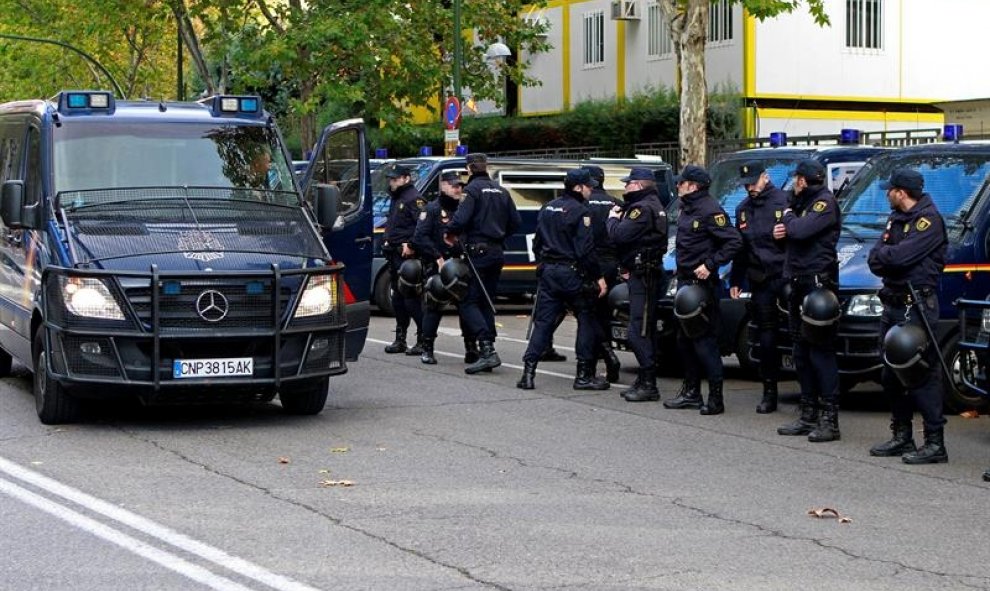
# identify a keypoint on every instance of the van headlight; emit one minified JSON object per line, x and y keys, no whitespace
{"x":90,"y":297}
{"x":318,"y":298}
{"x":865,"y":305}
{"x":985,"y":322}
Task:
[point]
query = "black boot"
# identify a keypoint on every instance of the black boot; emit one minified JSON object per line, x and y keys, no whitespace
{"x":769,"y":402}
{"x":612,"y":365}
{"x":714,"y":406}
{"x":427,"y":355}
{"x":470,"y":350}
{"x":529,"y":373}
{"x":586,"y":378}
{"x":647,"y":389}
{"x":551,"y":354}
{"x":828,"y":425}
{"x":688,"y":397}
{"x":636,"y":384}
{"x":416,"y":349}
{"x":901,"y":443}
{"x":806,"y":422}
{"x":399,"y":344}
{"x":488,"y":359}
{"x":932,"y":452}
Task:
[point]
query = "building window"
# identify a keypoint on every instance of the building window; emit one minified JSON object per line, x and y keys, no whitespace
{"x":720,"y":21}
{"x":594,"y":38}
{"x":864,"y":24}
{"x":658,"y":33}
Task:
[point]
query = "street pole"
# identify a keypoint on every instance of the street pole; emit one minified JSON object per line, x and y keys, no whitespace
{"x":116,"y":87}
{"x":180,"y":84}
{"x":458,"y":49}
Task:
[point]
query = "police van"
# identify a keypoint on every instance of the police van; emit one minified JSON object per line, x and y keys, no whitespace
{"x":164,"y":251}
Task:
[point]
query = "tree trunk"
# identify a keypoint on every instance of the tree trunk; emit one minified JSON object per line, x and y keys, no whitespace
{"x":191,"y":40}
{"x":694,"y":89}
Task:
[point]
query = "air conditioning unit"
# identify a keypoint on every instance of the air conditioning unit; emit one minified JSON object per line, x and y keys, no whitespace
{"x":625,"y":10}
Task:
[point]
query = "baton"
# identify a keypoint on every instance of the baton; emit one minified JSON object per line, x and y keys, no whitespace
{"x":931,"y":334}
{"x":532,"y":313}
{"x":481,"y":283}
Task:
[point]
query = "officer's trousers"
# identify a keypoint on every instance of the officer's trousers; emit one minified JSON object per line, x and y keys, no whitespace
{"x":405,"y":307}
{"x":603,"y":311}
{"x":560,"y":288}
{"x":642,"y":347}
{"x":926,"y":398}
{"x":702,"y":353}
{"x":815,"y":364}
{"x":478,"y":313}
{"x":766,"y":318}
{"x":431,"y":321}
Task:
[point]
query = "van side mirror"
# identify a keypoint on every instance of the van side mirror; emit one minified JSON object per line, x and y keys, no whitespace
{"x":11,"y":203}
{"x":327,"y":201}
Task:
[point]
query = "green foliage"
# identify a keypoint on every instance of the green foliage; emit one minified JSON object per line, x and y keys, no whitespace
{"x":764,"y":9}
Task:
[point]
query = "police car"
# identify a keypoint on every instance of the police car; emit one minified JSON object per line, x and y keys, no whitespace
{"x":164,"y":251}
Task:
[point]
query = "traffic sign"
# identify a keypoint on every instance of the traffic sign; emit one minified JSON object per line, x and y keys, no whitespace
{"x":452,"y":113}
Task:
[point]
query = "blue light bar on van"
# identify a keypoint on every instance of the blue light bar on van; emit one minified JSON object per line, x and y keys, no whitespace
{"x":237,"y":106}
{"x":381,"y":153}
{"x":952,"y":132}
{"x":850,"y":136}
{"x":426,"y":151}
{"x":778,"y":139}
{"x":461,"y":150}
{"x":85,"y":102}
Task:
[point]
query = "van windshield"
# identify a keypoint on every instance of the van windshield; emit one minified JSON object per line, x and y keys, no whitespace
{"x":108,"y":155}
{"x":953,"y":180}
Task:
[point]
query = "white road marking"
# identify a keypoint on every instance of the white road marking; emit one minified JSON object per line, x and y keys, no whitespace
{"x":153,"y":529}
{"x":456,"y":332}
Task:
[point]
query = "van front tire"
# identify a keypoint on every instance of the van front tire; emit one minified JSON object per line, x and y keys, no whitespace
{"x":55,"y":406}
{"x":306,"y":400}
{"x":6,"y":362}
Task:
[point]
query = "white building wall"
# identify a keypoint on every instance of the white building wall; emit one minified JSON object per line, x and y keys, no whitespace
{"x":598,"y":81}
{"x":798,"y":126}
{"x":548,"y":67}
{"x":644,"y":72}
{"x":944,"y":49}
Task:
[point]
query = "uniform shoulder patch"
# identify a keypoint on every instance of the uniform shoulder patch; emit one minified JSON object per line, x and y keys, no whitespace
{"x":422,"y":215}
{"x":420,"y":203}
{"x":635,"y":213}
{"x":720,"y":219}
{"x":923,"y":224}
{"x":907,"y":227}
{"x":778,"y":214}
{"x":742,"y":216}
{"x":587,"y":221}
{"x":820,"y":206}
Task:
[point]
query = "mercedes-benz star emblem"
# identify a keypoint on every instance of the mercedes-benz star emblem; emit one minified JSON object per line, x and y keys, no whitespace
{"x":212,"y":306}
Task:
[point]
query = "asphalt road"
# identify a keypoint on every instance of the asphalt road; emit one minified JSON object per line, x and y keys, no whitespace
{"x":461,"y":482}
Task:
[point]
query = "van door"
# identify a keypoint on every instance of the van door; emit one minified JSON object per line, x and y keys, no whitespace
{"x":341,"y":159}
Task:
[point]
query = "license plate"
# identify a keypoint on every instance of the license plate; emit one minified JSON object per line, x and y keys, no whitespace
{"x":787,"y":362}
{"x":620,"y":333}
{"x":213,"y":368}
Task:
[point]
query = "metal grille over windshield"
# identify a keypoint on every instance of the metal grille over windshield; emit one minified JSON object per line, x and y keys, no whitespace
{"x":198,"y":222}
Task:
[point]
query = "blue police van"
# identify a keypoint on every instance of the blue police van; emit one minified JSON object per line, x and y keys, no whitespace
{"x":841,"y":161}
{"x":165,"y":251}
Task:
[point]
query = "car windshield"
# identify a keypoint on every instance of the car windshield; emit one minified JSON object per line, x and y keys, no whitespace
{"x":725,"y":178}
{"x":954,"y":182}
{"x":109,"y":155}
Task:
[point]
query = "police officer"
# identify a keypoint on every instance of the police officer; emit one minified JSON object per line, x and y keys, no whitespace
{"x":638,"y":230}
{"x":600,"y":204}
{"x":403,"y":213}
{"x":569,"y":277}
{"x":811,"y":228}
{"x":911,"y":253}
{"x":706,"y":240}
{"x":484,"y":219}
{"x":429,"y":245}
{"x":760,"y":263}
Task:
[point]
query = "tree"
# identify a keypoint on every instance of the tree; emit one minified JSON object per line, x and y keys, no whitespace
{"x":688,"y":31}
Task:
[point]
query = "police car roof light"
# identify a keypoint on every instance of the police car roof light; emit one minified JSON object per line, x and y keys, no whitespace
{"x":778,"y":139}
{"x":461,"y":150}
{"x":850,"y":136}
{"x":426,"y":151}
{"x":381,"y":153}
{"x":238,"y":106}
{"x":79,"y":102}
{"x":952,"y":132}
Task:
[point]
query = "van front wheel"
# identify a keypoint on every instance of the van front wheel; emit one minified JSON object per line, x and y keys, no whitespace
{"x":306,"y":400}
{"x":55,"y":406}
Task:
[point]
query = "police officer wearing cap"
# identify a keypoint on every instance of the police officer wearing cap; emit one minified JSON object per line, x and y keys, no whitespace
{"x":706,"y":240}
{"x":484,"y":219}
{"x":760,"y":264}
{"x":403,"y":213}
{"x":638,"y":230}
{"x":600,"y":204}
{"x":569,"y":277}
{"x":429,"y":244}
{"x":911,"y":254}
{"x":811,"y":227}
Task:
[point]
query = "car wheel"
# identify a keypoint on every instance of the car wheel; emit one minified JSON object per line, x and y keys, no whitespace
{"x":383,"y":293}
{"x":747,"y":366}
{"x":306,"y":400}
{"x":6,"y":361}
{"x":956,"y":396}
{"x":55,"y":406}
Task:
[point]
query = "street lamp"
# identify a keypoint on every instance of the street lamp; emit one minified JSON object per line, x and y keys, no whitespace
{"x":495,"y":51}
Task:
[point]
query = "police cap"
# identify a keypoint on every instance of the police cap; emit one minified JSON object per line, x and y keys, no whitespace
{"x":638,"y":174}
{"x":579,"y":176}
{"x":904,"y":178}
{"x":811,"y":170}
{"x":750,"y":172}
{"x":452,"y":176}
{"x":694,"y":174}
{"x":399,"y":170}
{"x":596,"y":172}
{"x":476,"y":158}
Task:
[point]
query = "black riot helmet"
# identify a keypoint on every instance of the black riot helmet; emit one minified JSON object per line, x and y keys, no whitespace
{"x":436,"y":294}
{"x":784,"y":297}
{"x":690,"y":302}
{"x":618,"y":298}
{"x":904,"y":348}
{"x":411,"y":278}
{"x":455,"y":276}
{"x":820,"y":313}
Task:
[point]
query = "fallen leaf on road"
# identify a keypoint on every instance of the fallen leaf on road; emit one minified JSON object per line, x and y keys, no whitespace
{"x":828,"y":513}
{"x":283,"y":460}
{"x":330,"y":483}
{"x":970,"y":414}
{"x":339,"y":450}
{"x":324,"y":471}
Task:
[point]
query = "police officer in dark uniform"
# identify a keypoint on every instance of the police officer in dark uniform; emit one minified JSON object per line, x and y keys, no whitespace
{"x":429,"y":245}
{"x":706,"y":240}
{"x":485,"y":218}
{"x":760,"y":263}
{"x":638,"y":230}
{"x":911,"y":253}
{"x":403,"y":213}
{"x":600,"y":204}
{"x":811,"y":227}
{"x":569,"y":277}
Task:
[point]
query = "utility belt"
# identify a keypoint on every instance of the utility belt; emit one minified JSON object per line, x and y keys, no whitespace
{"x":552,"y":260}
{"x":758,"y":276}
{"x":647,"y":260}
{"x":814,"y":280}
{"x":482,"y":248}
{"x":896,"y":298}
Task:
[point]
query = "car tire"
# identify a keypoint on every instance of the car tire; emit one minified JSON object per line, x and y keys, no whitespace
{"x":383,"y":293}
{"x":55,"y":406}
{"x":957,"y":397}
{"x":749,"y":369}
{"x":6,"y":362}
{"x":306,"y":400}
